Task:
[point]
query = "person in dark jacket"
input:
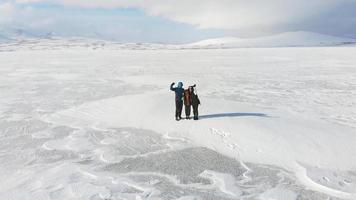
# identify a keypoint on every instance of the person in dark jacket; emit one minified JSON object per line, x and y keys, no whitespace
{"x":179,"y":91}
{"x":188,"y":101}
{"x":195,"y":103}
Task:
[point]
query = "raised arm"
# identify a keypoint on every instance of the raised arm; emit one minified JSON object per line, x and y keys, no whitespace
{"x":172,"y":88}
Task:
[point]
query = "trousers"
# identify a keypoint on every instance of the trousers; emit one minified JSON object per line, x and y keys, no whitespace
{"x":179,"y":106}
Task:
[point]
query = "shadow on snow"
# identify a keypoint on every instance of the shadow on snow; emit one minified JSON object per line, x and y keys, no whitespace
{"x":220,"y":115}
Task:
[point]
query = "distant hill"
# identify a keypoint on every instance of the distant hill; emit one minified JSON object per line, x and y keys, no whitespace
{"x":18,"y":34}
{"x":288,"y":39}
{"x":21,"y":39}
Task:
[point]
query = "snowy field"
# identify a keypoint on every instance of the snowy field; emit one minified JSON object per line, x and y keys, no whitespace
{"x":276,"y":123}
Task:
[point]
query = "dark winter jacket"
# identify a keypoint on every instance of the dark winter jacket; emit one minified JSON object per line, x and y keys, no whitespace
{"x":179,"y":92}
{"x":194,"y":99}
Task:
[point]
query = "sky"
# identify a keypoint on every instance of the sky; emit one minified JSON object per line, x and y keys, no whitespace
{"x":176,"y":21}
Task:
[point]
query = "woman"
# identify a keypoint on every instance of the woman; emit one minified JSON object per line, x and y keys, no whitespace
{"x":188,"y":100}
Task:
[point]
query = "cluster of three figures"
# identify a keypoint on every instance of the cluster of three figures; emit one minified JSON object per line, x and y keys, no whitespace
{"x":189,"y":98}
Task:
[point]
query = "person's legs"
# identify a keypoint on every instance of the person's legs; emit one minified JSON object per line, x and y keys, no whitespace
{"x":179,"y":107}
{"x":187,"y":111}
{"x":177,"y":110}
{"x":195,"y":112}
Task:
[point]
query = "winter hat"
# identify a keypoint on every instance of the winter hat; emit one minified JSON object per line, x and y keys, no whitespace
{"x":180,"y":84}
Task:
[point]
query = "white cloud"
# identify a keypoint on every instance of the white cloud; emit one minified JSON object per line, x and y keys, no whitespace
{"x":236,"y":17}
{"x":27,"y":1}
{"x":12,"y":14}
{"x":223,"y":14}
{"x":7,"y":10}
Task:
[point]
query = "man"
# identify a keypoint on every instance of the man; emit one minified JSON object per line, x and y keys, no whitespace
{"x":179,"y":91}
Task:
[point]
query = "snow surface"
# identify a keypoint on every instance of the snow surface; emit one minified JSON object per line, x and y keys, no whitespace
{"x":80,"y":123}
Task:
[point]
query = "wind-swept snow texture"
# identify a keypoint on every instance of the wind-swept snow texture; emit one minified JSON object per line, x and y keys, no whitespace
{"x":276,"y":123}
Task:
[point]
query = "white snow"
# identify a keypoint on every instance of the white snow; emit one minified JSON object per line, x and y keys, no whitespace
{"x":99,"y":124}
{"x":24,"y":41}
{"x":287,"y":39}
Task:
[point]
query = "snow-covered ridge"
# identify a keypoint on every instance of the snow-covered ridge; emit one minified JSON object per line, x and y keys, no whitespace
{"x":58,"y":43}
{"x":23,"y":41}
{"x":288,"y":39}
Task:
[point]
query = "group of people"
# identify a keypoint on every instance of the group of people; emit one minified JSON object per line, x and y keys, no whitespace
{"x":189,"y":98}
